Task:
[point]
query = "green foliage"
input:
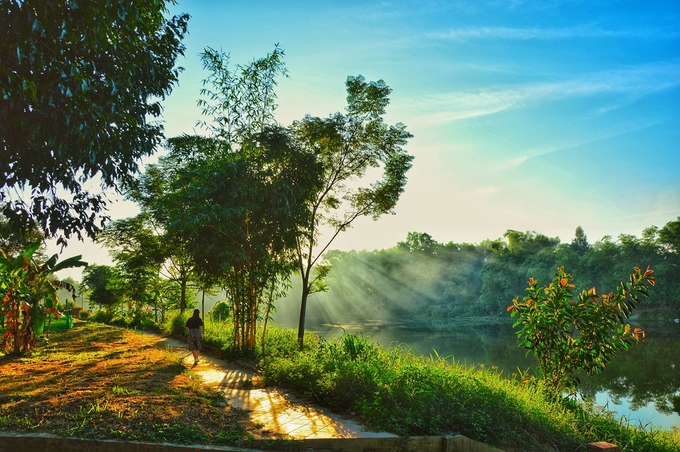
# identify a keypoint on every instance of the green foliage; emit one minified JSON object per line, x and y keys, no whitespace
{"x":240,"y":101}
{"x":235,"y":202}
{"x":573,"y":336}
{"x":29,"y":292}
{"x":423,"y":278}
{"x":239,"y":216}
{"x":14,"y":240}
{"x":79,"y":83}
{"x":104,"y":286}
{"x":102,"y":316}
{"x":150,"y":267}
{"x":443,"y":281}
{"x":348,"y":146}
{"x":220,"y":312}
{"x":176,"y":324}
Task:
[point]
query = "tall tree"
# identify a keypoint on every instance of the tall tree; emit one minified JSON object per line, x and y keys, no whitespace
{"x":235,"y":200}
{"x":239,"y":213}
{"x":78,"y":84}
{"x":580,"y":242}
{"x":144,"y":240}
{"x":138,"y":254}
{"x":348,"y":146}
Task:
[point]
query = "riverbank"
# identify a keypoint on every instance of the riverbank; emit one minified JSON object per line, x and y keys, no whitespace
{"x":393,"y":389}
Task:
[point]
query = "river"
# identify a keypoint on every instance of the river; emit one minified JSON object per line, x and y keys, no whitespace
{"x":641,"y":384}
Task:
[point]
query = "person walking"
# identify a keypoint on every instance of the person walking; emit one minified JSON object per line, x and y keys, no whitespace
{"x":195,"y":325}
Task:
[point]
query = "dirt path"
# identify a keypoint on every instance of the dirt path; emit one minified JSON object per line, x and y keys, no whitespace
{"x":281,"y":414}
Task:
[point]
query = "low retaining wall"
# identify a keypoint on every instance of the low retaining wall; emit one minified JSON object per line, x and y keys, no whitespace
{"x":52,"y":443}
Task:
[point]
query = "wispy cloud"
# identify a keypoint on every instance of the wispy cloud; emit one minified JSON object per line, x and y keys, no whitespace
{"x":524,"y":34}
{"x":633,"y":83}
{"x":527,"y":154}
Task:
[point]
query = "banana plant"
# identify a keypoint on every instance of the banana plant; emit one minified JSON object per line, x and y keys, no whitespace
{"x":24,"y":284}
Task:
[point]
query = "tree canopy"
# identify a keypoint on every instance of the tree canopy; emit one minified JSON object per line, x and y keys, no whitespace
{"x":80,"y":83}
{"x":234,"y":202}
{"x":348,"y":146}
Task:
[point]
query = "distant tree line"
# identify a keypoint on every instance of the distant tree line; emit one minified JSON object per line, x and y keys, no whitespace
{"x":421,"y":277}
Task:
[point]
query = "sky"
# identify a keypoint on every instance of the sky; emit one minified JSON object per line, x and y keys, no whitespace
{"x":526,"y":115}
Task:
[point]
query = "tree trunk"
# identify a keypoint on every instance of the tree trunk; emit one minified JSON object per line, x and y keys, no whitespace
{"x":15,"y":327}
{"x":203,"y":306}
{"x":183,"y":296}
{"x":303,"y":311}
{"x":266,"y":317}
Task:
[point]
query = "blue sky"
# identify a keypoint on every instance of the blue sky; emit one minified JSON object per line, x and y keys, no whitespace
{"x":526,"y":115}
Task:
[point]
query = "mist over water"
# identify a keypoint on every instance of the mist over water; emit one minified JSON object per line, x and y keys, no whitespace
{"x":384,"y":286}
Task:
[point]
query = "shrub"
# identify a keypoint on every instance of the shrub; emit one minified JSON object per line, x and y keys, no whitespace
{"x":220,"y":312}
{"x":176,"y":323}
{"x":102,"y":316}
{"x":573,"y":336}
{"x":394,"y":389}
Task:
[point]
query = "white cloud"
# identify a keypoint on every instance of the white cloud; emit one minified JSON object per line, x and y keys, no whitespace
{"x":633,"y":83}
{"x":528,"y":154}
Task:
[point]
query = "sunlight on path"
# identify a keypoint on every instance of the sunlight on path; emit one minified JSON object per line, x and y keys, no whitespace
{"x":280,"y":414}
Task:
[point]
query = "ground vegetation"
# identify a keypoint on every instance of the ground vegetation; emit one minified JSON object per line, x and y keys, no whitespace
{"x":113,"y":384}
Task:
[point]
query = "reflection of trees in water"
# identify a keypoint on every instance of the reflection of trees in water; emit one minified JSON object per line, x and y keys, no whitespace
{"x":647,"y":373}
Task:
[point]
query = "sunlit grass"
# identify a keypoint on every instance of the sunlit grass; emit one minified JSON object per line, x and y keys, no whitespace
{"x":94,"y":381}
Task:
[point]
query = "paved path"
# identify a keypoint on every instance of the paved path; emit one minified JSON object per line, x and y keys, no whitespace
{"x":280,"y":413}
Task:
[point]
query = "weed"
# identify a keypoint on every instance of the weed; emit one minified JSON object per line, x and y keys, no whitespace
{"x":123,"y":390}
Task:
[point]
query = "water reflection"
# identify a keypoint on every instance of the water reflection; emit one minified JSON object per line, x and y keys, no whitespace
{"x":642,"y":384}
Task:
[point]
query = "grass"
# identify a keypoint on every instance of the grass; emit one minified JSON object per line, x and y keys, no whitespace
{"x":95,"y":381}
{"x":396,"y":390}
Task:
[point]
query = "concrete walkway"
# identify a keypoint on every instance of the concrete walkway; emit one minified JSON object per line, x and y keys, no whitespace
{"x":281,"y":414}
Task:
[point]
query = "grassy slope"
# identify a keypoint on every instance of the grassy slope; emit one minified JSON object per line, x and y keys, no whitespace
{"x":396,"y":390}
{"x":99,"y":382}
